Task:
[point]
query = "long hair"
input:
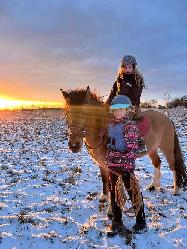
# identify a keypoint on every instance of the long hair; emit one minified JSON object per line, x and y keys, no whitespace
{"x":139,"y":79}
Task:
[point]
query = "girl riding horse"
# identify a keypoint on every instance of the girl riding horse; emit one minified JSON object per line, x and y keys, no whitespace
{"x":129,"y":81}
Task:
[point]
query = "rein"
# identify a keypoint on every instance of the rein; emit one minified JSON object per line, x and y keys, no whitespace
{"x":96,"y":147}
{"x":102,"y":140}
{"x":120,"y":192}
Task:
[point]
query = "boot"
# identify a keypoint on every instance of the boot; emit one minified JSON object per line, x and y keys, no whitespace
{"x":117,"y":227}
{"x":140,"y":225}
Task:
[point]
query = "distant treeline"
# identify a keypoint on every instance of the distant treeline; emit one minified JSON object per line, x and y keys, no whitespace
{"x":41,"y":108}
{"x":178,"y":102}
{"x":170,"y":104}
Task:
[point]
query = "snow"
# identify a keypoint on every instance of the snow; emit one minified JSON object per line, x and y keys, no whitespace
{"x":50,"y":197}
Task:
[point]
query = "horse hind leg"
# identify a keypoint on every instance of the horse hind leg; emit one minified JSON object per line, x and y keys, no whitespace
{"x":171,"y":161}
{"x":155,"y":184}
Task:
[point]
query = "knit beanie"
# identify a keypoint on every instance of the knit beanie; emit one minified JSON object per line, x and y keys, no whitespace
{"x":128,"y":59}
{"x":120,"y":101}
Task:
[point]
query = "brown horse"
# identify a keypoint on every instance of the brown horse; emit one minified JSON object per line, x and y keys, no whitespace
{"x":87,"y":116}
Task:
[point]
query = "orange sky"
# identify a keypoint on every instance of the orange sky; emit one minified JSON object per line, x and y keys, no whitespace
{"x":29,"y":91}
{"x":17,"y":95}
{"x":11,"y":104}
{"x":77,"y":44}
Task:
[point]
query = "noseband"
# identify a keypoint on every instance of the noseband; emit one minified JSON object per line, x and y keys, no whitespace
{"x":83,"y":130}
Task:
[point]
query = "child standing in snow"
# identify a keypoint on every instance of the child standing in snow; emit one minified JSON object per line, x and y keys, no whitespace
{"x":122,"y":150}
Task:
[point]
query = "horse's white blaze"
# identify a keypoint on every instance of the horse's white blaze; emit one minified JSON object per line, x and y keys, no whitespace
{"x":156,"y":177}
{"x":175,"y":187}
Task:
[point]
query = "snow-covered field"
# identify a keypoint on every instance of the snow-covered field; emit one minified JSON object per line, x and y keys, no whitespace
{"x":50,"y":197}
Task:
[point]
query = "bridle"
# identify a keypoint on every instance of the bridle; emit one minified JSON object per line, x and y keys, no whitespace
{"x":83,"y":130}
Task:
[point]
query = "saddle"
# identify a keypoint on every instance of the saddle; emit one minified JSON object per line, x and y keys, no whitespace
{"x":143,"y":125}
{"x":142,"y":122}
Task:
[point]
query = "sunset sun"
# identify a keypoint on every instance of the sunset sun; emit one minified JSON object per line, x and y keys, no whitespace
{"x":11,"y":104}
{"x":6,"y":103}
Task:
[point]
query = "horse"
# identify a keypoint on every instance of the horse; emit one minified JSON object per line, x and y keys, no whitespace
{"x":87,"y":116}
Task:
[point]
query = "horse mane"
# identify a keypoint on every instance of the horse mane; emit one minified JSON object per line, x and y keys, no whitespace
{"x":77,"y":97}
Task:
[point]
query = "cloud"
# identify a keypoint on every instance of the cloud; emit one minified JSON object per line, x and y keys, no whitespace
{"x":66,"y":44}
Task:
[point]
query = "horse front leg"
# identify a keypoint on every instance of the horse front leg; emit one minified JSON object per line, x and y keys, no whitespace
{"x":155,"y":184}
{"x":104,"y":196}
{"x":114,"y":209}
{"x":109,"y":210}
{"x":175,"y":185}
{"x":156,"y":178}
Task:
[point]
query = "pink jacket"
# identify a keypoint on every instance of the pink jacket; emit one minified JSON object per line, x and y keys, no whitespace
{"x":125,"y":160}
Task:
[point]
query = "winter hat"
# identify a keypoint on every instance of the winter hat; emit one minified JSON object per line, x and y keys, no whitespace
{"x":128,"y":59}
{"x":120,"y":101}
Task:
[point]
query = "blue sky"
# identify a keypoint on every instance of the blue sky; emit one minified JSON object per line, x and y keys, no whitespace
{"x":50,"y":44}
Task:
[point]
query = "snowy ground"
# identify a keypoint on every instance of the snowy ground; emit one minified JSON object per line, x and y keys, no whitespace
{"x":50,"y":197}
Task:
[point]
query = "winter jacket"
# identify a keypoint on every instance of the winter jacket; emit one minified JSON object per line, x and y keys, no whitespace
{"x":130,"y":85}
{"x":117,"y":156}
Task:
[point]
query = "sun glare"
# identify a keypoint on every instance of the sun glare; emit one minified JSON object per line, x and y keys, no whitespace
{"x":11,"y":104}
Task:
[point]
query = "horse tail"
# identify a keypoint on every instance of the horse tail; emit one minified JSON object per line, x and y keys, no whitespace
{"x":180,"y":169}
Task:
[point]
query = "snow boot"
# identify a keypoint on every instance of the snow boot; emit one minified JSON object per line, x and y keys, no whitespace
{"x":139,"y":228}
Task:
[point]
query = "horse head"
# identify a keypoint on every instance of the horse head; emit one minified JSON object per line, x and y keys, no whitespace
{"x":85,"y":116}
{"x":76,"y":116}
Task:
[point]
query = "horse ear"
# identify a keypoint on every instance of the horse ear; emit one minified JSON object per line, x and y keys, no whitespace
{"x":64,"y":93}
{"x":88,"y":95}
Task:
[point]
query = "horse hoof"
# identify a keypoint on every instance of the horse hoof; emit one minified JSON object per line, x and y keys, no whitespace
{"x":121,"y":231}
{"x":110,"y":216}
{"x":185,"y":185}
{"x":151,"y":188}
{"x":103,"y":198}
{"x":176,"y":193}
{"x":111,"y":234}
{"x":117,"y":225}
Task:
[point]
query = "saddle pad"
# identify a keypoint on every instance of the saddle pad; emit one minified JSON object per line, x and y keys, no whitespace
{"x":143,"y":126}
